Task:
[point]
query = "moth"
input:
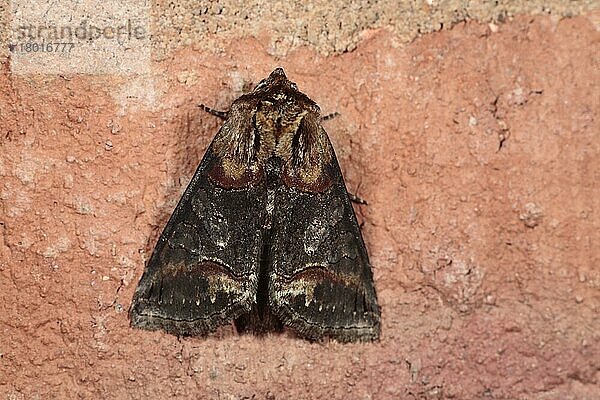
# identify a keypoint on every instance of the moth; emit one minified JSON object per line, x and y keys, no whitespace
{"x":265,"y":234}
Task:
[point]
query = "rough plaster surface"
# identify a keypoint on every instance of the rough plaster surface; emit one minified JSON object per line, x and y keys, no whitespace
{"x":329,"y":27}
{"x":477,"y":148}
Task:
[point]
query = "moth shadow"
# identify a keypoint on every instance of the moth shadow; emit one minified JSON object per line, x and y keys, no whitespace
{"x":231,"y":330}
{"x":193,"y":131}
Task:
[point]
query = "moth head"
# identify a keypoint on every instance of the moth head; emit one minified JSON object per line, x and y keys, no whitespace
{"x":276,"y":78}
{"x":278,"y":92}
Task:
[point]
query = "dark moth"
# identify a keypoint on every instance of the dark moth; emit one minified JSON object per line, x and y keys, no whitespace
{"x":265,"y":234}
